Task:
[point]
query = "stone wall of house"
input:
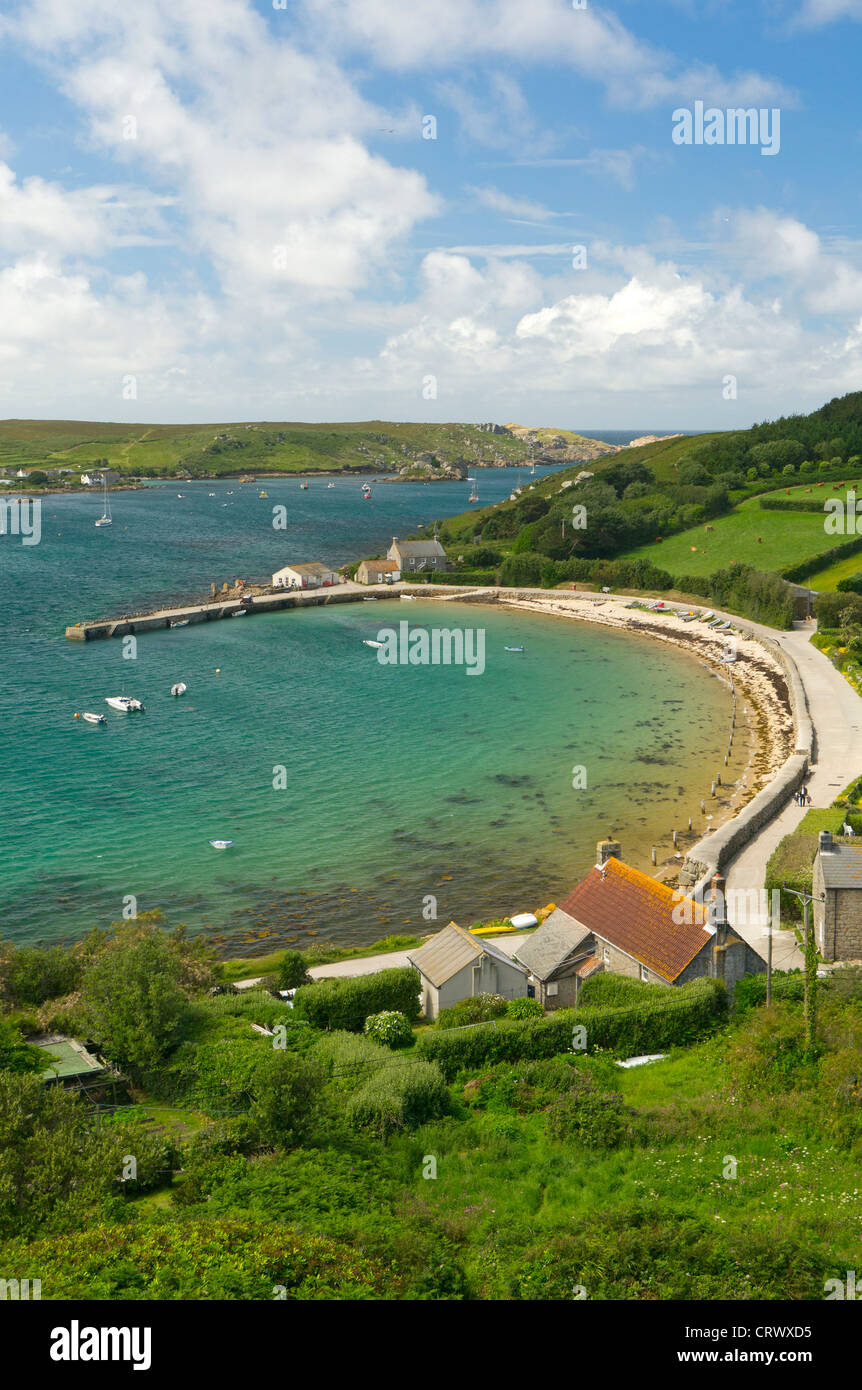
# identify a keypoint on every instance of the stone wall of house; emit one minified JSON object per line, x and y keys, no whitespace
{"x":848,"y":931}
{"x":621,"y":964}
{"x":566,"y":996}
{"x":824,"y":914}
{"x":838,"y":920}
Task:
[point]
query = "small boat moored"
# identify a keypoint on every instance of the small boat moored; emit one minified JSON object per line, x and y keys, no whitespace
{"x":179,"y":622}
{"x":124,"y":703}
{"x":92,"y":718}
{"x":221,"y":844}
{"x":179,"y":689}
{"x":368,"y":642}
{"x":513,"y":649}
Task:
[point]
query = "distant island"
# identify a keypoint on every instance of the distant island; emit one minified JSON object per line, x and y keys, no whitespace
{"x":56,"y":453}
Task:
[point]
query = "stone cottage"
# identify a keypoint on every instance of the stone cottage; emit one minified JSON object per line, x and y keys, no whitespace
{"x":619,"y":919}
{"x":837,"y":887}
{"x":412,"y":557}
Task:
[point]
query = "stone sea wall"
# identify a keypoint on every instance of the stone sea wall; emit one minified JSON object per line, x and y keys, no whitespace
{"x":711,"y":854}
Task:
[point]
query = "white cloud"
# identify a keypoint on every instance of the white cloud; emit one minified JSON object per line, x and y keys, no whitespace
{"x":261,"y":145}
{"x":434,"y":33}
{"x":816,"y":13}
{"x":83,"y":222}
{"x":498,"y":201}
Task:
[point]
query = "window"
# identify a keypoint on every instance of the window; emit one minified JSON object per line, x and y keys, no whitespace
{"x":606,"y":955}
{"x":644,"y":973}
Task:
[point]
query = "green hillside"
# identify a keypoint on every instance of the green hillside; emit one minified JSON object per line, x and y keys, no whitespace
{"x":214,"y":449}
{"x":692,"y":506}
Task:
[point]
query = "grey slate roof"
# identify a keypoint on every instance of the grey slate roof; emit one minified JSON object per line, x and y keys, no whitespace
{"x":307,"y":567}
{"x":418,"y":550}
{"x":553,"y":942}
{"x":450,"y":950}
{"x":842,"y":868}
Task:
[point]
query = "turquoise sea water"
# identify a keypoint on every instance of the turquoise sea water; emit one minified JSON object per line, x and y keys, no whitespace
{"x":401,"y":782}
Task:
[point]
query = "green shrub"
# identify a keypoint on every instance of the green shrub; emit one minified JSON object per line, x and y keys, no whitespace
{"x":750,"y":991}
{"x":287,"y":1094}
{"x":792,"y":862}
{"x":401,"y":1095}
{"x":612,"y":990}
{"x":596,"y":1119}
{"x":34,"y":974}
{"x":350,"y":1058}
{"x":346,"y":1003}
{"x":480,"y":1008}
{"x":390,"y":1028}
{"x":524,"y":1008}
{"x":257,"y":1005}
{"x":292,"y":972}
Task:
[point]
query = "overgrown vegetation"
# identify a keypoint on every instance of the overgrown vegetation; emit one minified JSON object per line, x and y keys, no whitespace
{"x":319,"y":1164}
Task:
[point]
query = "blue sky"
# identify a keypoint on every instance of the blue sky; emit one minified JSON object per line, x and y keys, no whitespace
{"x":223,"y":210}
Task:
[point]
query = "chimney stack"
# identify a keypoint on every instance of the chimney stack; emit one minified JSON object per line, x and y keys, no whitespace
{"x":607,"y":849}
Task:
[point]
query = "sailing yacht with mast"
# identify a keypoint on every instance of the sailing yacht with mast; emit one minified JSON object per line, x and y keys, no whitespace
{"x":474,"y":491}
{"x":105,"y":518}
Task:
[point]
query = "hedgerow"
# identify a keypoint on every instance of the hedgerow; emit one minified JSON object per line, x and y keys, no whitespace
{"x":347,"y":1003}
{"x":613,"y":991}
{"x":663,"y":1019}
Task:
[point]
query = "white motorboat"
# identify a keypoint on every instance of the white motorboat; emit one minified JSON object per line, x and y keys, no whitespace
{"x":330,"y":484}
{"x":370,"y":598}
{"x":92,"y":718}
{"x":513,"y":649}
{"x":105,"y":518}
{"x":124,"y":703}
{"x":221,"y":844}
{"x":179,"y":622}
{"x":239,"y":613}
{"x":409,"y":598}
{"x":181,"y":495}
{"x":179,"y":689}
{"x":368,"y":642}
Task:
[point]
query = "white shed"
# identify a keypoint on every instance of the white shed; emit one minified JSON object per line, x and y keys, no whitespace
{"x":456,"y":965}
{"x":308,"y":575}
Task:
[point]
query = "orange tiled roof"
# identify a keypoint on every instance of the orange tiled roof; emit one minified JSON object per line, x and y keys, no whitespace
{"x":634,"y":913}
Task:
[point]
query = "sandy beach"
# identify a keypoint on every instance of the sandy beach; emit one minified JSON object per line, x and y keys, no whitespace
{"x":762,"y":714}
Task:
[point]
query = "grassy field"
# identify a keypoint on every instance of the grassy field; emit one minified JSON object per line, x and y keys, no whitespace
{"x":826,"y":580}
{"x":787,"y":538}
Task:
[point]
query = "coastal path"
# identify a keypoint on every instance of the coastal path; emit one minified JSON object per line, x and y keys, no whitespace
{"x":369,"y":965}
